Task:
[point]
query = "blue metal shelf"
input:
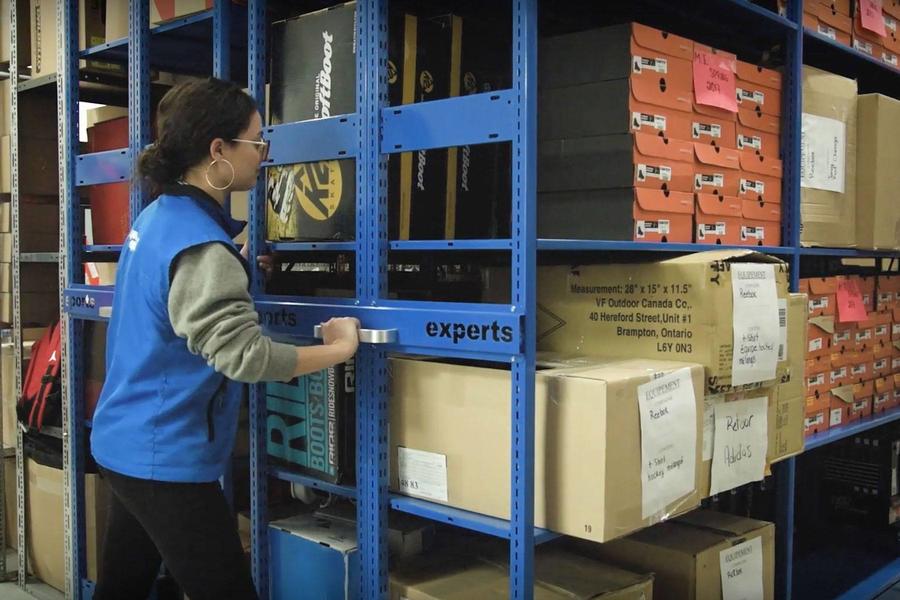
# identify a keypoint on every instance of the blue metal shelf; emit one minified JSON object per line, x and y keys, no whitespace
{"x":318,"y":139}
{"x":770,"y":17}
{"x":283,"y":474}
{"x":876,"y":584}
{"x":850,"y":252}
{"x":849,"y":52}
{"x":423,"y":245}
{"x":462,"y":518}
{"x":103,"y":249}
{"x":838,"y":433}
{"x":112,"y":166}
{"x":181,"y":45}
{"x":312,"y":246}
{"x":627,"y":246}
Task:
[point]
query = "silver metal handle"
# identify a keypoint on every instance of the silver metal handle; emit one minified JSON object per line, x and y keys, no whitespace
{"x":367,"y":336}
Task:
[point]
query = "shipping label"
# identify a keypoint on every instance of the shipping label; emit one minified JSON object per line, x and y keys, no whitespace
{"x":756,"y":233}
{"x":668,"y":410}
{"x":816,"y":380}
{"x":838,"y":375}
{"x":640,"y":120}
{"x":823,"y":153}
{"x":756,"y":97}
{"x":642,"y":228}
{"x":702,"y":180}
{"x":828,"y":32}
{"x":422,"y":474}
{"x":751,"y":186}
{"x":837,"y":417}
{"x":708,"y":129}
{"x":820,"y":303}
{"x":740,"y":443}
{"x":712,"y":229}
{"x":864,"y":47}
{"x":741,"y":568}
{"x":818,"y":419}
{"x":645,"y":172}
{"x":640,"y":64}
{"x":815,"y":344}
{"x":749,"y":141}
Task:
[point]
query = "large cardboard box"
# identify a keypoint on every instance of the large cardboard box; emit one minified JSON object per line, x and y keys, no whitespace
{"x":877,"y":176}
{"x":786,"y":433}
{"x":44,"y":522}
{"x":700,"y":555}
{"x":311,"y":423}
{"x":23,"y":31}
{"x":828,"y":160}
{"x":458,"y":575}
{"x":588,"y":452}
{"x":676,"y":309}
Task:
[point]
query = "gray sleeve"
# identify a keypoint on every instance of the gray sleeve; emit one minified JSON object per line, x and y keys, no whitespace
{"x":210,"y":307}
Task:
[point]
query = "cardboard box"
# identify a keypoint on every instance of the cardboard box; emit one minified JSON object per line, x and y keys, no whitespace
{"x":877,"y":179}
{"x":311,"y":423}
{"x":616,"y":161}
{"x":820,"y":337}
{"x":815,"y":423}
{"x":716,"y":170}
{"x":844,"y":337}
{"x":718,"y":219}
{"x":793,"y":384}
{"x":328,"y":549}
{"x":884,"y":395}
{"x":760,"y":179}
{"x":460,"y":416}
{"x":44,"y":522}
{"x":822,"y":293}
{"x":761,"y":224}
{"x":818,"y":376}
{"x":714,"y":130}
{"x":839,"y":410}
{"x":559,"y":573}
{"x":867,"y":47}
{"x":690,"y":555}
{"x":678,"y":308}
{"x":758,"y":93}
{"x":832,"y":22}
{"x":639,"y":214}
{"x":884,"y":301}
{"x":889,"y":57}
{"x":828,"y":202}
{"x":758,"y":133}
{"x":816,"y":404}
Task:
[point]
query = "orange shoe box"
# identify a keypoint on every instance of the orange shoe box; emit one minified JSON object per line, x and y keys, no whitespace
{"x":815,"y":423}
{"x":844,"y":337}
{"x":889,"y":57}
{"x":864,"y":337}
{"x":822,"y":295}
{"x":895,"y":325}
{"x":881,"y":326}
{"x":884,"y":395}
{"x":760,"y":178}
{"x":838,"y":412}
{"x":859,"y":409}
{"x":758,"y":132}
{"x":661,"y":216}
{"x":653,"y":155}
{"x":866,"y":284}
{"x":819,"y":337}
{"x":758,"y":89}
{"x":889,"y":284}
{"x":881,"y":367}
{"x":817,"y":371}
{"x":714,"y":130}
{"x":716,"y":170}
{"x":718,"y":219}
{"x":761,"y":224}
{"x":839,"y":375}
{"x":860,"y":365}
{"x":868,"y":48}
{"x":861,"y":33}
{"x":884,"y":301}
{"x":826,"y":20}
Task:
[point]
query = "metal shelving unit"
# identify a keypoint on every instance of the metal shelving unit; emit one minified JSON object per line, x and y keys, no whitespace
{"x":368,"y":136}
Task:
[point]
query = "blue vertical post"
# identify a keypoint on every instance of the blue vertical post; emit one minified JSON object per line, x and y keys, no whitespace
{"x":371,"y":285}
{"x":256,"y":79}
{"x":70,"y":268}
{"x":785,"y":471}
{"x":524,"y":286}
{"x":138,"y":93}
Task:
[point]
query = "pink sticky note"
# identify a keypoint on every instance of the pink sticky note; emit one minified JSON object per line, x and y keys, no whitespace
{"x":850,"y":307}
{"x":872,"y":16}
{"x":714,"y":80}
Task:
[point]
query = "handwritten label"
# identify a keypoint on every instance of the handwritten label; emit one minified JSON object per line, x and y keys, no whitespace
{"x":714,"y":80}
{"x":742,"y":571}
{"x":422,"y":474}
{"x":756,"y":331}
{"x":872,"y":16}
{"x":823,"y":153}
{"x":668,"y":440}
{"x":740,"y":443}
{"x":850,"y":306}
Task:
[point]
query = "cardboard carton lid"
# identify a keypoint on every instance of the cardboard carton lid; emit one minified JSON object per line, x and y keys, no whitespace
{"x":692,"y":537}
{"x":759,"y":75}
{"x":722,"y":523}
{"x":725,"y":158}
{"x":884,"y":384}
{"x":338,"y":535}
{"x":820,"y":364}
{"x":761,"y":211}
{"x":755,"y":163}
{"x":581,"y":577}
{"x":653,"y":145}
{"x":889,"y":283}
{"x":840,"y":359}
{"x":615,"y":369}
{"x":821,"y":286}
{"x":877,"y":318}
{"x":723,"y":206}
{"x":833,"y":18}
{"x":829,"y":85}
{"x":863,"y":390}
{"x":824,"y":323}
{"x":843,"y":393}
{"x":731,"y":256}
{"x":662,"y":41}
{"x":754,"y":119}
{"x":652,"y":200}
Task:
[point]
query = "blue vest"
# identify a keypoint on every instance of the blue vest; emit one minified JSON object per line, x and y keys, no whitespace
{"x":164,"y":413}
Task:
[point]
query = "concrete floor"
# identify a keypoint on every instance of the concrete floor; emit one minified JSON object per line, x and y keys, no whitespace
{"x":11,"y":591}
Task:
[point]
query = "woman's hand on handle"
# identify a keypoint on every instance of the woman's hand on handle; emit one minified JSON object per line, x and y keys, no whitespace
{"x":341,"y":339}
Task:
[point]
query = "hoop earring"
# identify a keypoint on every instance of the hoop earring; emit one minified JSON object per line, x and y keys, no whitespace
{"x":230,"y":181}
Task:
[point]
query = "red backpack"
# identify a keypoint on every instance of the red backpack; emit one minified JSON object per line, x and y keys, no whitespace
{"x":40,"y":401}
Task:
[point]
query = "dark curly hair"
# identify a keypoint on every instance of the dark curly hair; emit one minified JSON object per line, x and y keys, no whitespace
{"x":189,"y":117}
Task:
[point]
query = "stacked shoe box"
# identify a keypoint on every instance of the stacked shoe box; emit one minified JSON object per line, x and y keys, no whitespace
{"x":627,"y":150}
{"x":875,"y":33}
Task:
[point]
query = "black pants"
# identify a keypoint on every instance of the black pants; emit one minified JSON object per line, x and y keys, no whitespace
{"x":188,"y":526}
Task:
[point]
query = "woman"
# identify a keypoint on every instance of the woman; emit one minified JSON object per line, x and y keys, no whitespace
{"x":182,"y":338}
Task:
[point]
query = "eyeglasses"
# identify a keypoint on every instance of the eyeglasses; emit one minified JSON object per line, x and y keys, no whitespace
{"x":262,"y":146}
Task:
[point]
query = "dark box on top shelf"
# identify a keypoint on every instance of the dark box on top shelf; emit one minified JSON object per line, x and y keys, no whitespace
{"x":314,"y":76}
{"x":615,"y":80}
{"x":311,"y":423}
